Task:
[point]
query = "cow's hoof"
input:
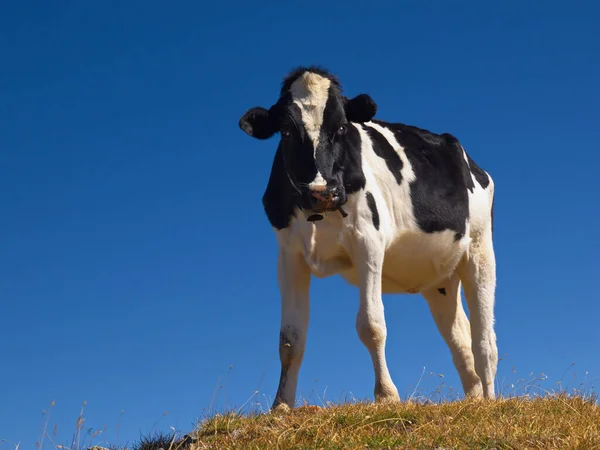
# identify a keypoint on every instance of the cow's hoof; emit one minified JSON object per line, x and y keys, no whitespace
{"x":388,"y":399}
{"x":475,"y":392}
{"x":281,"y":409}
{"x":386,"y":394}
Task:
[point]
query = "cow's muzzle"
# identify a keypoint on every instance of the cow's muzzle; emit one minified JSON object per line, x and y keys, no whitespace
{"x":325,"y":199}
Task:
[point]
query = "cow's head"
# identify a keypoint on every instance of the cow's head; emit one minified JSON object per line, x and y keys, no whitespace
{"x":312,"y":118}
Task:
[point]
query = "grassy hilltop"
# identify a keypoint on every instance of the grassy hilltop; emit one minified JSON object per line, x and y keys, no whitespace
{"x":526,"y":415}
{"x":550,"y":422}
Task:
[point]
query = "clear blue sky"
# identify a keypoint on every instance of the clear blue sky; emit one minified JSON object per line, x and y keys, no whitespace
{"x":136,"y":262}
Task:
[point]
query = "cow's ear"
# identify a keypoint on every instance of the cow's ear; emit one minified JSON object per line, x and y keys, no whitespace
{"x":360,"y":109}
{"x":258,"y":123}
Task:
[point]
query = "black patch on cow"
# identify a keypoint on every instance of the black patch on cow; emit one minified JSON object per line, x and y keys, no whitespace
{"x":298,"y":157}
{"x":480,"y":175}
{"x":373,"y":207}
{"x":383,"y":149}
{"x":280,"y":198}
{"x":351,"y":163}
{"x":439,"y":192}
{"x":442,"y":291}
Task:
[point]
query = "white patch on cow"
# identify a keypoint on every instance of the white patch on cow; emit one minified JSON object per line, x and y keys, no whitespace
{"x":310,"y":93}
{"x":318,"y":182}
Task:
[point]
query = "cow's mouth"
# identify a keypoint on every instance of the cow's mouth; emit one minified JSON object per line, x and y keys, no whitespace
{"x":325,"y":202}
{"x":320,"y":202}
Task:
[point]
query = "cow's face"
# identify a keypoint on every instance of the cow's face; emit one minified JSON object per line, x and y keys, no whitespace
{"x":312,"y":117}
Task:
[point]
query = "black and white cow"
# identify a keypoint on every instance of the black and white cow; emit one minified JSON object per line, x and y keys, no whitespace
{"x":392,"y":208}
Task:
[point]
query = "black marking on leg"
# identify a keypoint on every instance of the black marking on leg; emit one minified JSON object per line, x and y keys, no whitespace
{"x":288,"y":341}
{"x":280,"y":390}
{"x":442,"y":291}
{"x":289,"y":336}
{"x":288,"y":346}
{"x":282,"y":381}
{"x":373,"y":207}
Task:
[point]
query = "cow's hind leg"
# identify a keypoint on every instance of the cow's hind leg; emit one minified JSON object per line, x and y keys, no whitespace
{"x":449,"y":316}
{"x":294,"y":283}
{"x":478,"y":276}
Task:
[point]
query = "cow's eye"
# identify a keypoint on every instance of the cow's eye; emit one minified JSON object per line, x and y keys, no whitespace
{"x":341,"y":130}
{"x":286,"y":134}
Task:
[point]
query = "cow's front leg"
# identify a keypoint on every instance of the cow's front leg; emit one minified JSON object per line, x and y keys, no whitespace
{"x":294,"y":282}
{"x":370,"y":321}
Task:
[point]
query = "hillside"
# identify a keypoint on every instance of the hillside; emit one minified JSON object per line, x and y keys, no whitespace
{"x":552,"y":422}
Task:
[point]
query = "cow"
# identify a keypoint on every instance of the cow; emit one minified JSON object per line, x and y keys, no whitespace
{"x":392,"y":208}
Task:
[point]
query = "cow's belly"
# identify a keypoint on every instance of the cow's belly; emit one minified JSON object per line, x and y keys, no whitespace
{"x":417,"y":261}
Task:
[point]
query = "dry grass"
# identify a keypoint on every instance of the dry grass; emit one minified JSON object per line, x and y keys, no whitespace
{"x":551,"y":422}
{"x":525,"y":416}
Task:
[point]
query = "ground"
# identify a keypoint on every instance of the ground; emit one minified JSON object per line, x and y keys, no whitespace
{"x":551,"y":422}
